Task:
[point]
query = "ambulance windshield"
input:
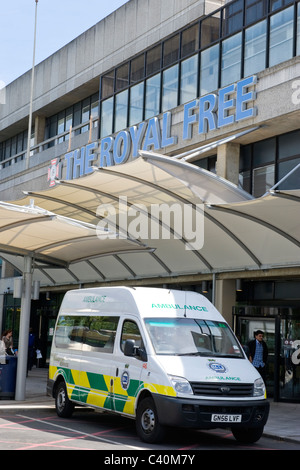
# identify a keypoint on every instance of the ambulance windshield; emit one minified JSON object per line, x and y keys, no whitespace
{"x":192,"y":337}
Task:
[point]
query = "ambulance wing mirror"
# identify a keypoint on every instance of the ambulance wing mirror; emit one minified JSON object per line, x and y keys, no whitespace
{"x":129,"y":347}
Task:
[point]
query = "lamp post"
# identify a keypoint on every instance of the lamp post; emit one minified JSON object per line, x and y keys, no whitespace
{"x":32,"y":88}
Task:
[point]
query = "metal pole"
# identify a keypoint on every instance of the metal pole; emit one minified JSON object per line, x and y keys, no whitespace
{"x":31,"y":93}
{"x":24,"y":331}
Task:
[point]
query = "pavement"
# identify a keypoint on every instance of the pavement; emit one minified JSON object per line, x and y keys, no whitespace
{"x":283,"y":422}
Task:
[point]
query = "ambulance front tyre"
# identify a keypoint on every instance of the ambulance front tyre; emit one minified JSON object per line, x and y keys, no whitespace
{"x":64,"y":407}
{"x":147,"y":424}
{"x":247,"y":435}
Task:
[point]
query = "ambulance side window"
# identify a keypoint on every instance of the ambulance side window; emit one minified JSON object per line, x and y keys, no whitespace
{"x":130,"y":330}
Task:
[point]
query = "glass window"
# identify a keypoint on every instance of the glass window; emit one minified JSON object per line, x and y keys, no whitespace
{"x":289,"y":145}
{"x":170,"y":88}
{"x":152,"y":96}
{"x":281,"y":36}
{"x":122,"y":79}
{"x":255,"y":48}
{"x":264,"y":152}
{"x":293,"y":181}
{"x":121,"y":107}
{"x":190,"y":40}
{"x":136,"y":104}
{"x":231,"y":59}
{"x":69,"y":332}
{"x":263,"y":179}
{"x":61,"y":125}
{"x":189,"y":79}
{"x":85,"y":113}
{"x":137,"y":72}
{"x":210,"y":29}
{"x":171,"y":51}
{"x":189,"y":336}
{"x":233,"y":17}
{"x":153,"y":60}
{"x":107,"y":84}
{"x":209,"y":72}
{"x":99,"y":335}
{"x":106,"y":117}
{"x":275,"y":4}
{"x":255,"y":10}
{"x":130,"y":330}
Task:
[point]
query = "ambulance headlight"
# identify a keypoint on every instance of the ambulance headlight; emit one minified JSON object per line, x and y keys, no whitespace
{"x":181,"y":385}
{"x":259,"y":388}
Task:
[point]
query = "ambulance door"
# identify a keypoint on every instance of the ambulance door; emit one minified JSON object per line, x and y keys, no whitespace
{"x":97,"y":361}
{"x":128,"y":369}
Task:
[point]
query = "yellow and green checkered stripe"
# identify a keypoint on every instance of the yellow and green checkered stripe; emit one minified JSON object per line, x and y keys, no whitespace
{"x":95,"y":389}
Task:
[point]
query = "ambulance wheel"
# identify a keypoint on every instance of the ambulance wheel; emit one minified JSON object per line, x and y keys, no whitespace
{"x":247,"y":435}
{"x":147,"y":424}
{"x":64,"y":407}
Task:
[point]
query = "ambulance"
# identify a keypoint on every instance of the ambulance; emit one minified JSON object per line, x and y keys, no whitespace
{"x":163,"y":357}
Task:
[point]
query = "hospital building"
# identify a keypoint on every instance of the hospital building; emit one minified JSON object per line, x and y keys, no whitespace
{"x":213,"y":85}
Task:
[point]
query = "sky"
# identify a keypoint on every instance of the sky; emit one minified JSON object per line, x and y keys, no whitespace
{"x":58,"y":23}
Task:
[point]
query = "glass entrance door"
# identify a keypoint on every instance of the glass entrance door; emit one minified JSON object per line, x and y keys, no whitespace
{"x":289,"y":359}
{"x":281,"y":328}
{"x":246,"y":328}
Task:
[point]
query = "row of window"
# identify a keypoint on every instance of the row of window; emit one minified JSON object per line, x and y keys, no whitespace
{"x":94,"y":333}
{"x":264,"y":163}
{"x":264,"y":44}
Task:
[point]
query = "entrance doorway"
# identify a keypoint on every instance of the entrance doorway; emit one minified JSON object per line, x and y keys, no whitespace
{"x":282,"y":335}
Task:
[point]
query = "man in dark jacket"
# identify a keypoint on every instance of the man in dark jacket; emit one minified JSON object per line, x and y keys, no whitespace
{"x":258,"y":353}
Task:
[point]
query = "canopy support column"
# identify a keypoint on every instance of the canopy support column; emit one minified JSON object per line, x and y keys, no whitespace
{"x":24,"y":330}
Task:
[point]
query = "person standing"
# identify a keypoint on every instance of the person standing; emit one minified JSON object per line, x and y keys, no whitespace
{"x":258,"y":353}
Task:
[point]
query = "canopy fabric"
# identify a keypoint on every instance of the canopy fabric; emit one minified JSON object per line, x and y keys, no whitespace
{"x":238,"y":232}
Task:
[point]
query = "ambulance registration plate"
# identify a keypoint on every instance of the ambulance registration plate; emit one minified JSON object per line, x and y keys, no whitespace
{"x":222,"y":418}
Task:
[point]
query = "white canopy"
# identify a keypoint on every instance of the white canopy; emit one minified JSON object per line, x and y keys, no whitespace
{"x":238,"y":232}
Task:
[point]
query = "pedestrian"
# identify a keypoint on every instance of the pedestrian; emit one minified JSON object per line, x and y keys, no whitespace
{"x":8,"y":342}
{"x":31,"y":349}
{"x":258,"y":353}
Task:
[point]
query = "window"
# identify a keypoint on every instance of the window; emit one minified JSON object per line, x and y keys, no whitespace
{"x":122,"y":78}
{"x":107,"y":84}
{"x":131,"y":330}
{"x":153,"y":60}
{"x":171,"y":51}
{"x":281,"y":36}
{"x":170,"y":88}
{"x":152,"y":96}
{"x":121,"y":107}
{"x":190,"y":41}
{"x":298,"y":29}
{"x":210,"y":29}
{"x":255,"y":48}
{"x":136,"y":103}
{"x":86,"y":333}
{"x":231,"y":59}
{"x":263,"y":180}
{"x":255,"y":10}
{"x":209,"y":72}
{"x":233,"y":17}
{"x":189,"y":79}
{"x":137,"y":72}
{"x":106,"y":117}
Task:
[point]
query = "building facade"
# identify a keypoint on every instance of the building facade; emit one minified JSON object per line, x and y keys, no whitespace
{"x":170,"y":77}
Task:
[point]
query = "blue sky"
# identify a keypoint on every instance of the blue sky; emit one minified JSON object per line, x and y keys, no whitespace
{"x":59,"y":21}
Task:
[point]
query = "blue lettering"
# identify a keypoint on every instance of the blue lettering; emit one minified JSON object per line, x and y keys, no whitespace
{"x":167,"y":139}
{"x":106,"y":157}
{"x":152,"y":135}
{"x":207,"y":115}
{"x":189,"y":119}
{"x":243,"y":98}
{"x":78,"y":165}
{"x":122,"y":147}
{"x":137,"y":135}
{"x":90,"y":156}
{"x":224,"y":105}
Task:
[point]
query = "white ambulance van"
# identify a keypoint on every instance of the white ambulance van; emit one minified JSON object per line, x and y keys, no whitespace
{"x":163,"y":357}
